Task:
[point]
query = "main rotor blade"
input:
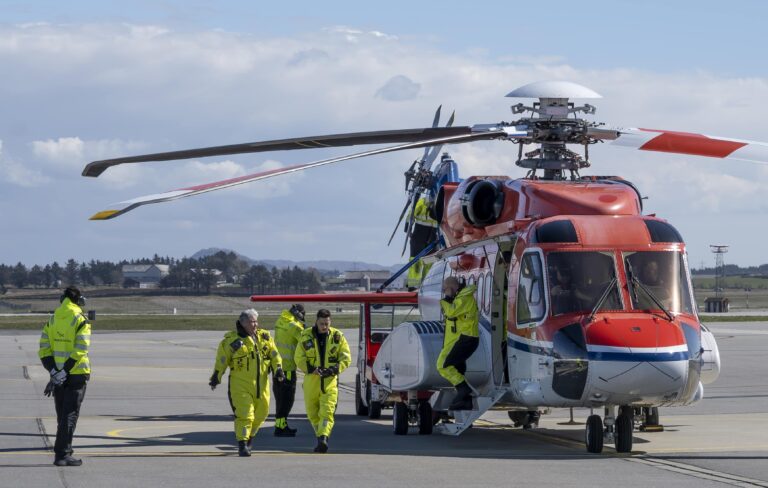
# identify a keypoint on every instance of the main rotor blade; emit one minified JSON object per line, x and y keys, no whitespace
{"x":435,"y":123}
{"x":690,"y":143}
{"x":128,"y":205}
{"x":411,"y":220}
{"x":334,"y":140}
{"x":402,"y":214}
{"x":436,"y":149}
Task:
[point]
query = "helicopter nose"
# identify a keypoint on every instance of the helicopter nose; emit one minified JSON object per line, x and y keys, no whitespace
{"x":638,"y":359}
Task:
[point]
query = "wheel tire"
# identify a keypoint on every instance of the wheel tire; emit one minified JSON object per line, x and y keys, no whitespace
{"x":594,"y":434}
{"x":360,"y":408}
{"x":400,"y":419}
{"x":374,"y":408}
{"x":425,"y":418}
{"x":623,"y":433}
{"x":652,"y":416}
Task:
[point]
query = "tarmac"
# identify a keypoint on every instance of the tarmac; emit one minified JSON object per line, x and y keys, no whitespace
{"x":150,"y":419}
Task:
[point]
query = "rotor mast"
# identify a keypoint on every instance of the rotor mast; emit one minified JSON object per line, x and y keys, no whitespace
{"x":554,"y":124}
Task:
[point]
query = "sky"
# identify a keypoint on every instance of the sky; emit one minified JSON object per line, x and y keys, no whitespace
{"x":85,"y":80}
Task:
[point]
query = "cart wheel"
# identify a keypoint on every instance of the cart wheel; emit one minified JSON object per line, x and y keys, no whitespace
{"x":426,"y":420}
{"x":400,"y":419}
{"x":374,"y":408}
{"x":360,"y":407}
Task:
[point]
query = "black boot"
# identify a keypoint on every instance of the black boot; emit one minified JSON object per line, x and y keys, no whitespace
{"x":322,"y":444}
{"x":292,"y":431}
{"x":249,"y":443}
{"x":463,"y":399}
{"x":67,"y":460}
{"x":242,"y":449}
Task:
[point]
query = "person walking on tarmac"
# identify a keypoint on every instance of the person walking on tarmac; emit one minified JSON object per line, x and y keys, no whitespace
{"x":250,"y":354}
{"x":63,"y":351}
{"x":462,"y":337}
{"x":287,"y":334}
{"x":323,"y":353}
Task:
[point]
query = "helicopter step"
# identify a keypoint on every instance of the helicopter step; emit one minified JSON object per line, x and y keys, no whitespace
{"x":463,"y":419}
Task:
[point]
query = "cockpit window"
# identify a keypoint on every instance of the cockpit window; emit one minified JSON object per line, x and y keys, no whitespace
{"x":579,"y":279}
{"x":662,"y":275}
{"x":531,"y":305}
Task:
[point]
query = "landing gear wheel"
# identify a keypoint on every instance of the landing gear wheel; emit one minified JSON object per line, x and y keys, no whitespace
{"x":400,"y":418}
{"x":594,"y":434}
{"x":651,"y":415}
{"x":374,"y":408}
{"x":425,"y":418}
{"x":623,"y":434}
{"x":360,"y":408}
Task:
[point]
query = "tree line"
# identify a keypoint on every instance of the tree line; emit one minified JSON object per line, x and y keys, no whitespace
{"x":188,"y":274}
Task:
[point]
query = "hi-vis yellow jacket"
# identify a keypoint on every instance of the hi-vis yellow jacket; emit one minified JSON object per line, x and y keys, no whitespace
{"x":248,"y":360}
{"x":67,"y":336}
{"x":337,"y":353}
{"x":287,"y":334}
{"x":461,"y":317}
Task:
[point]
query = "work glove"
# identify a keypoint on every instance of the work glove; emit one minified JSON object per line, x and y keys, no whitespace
{"x":325,"y":372}
{"x":58,"y":377}
{"x":214,"y":382}
{"x":280,"y":375}
{"x":334,"y":370}
{"x":49,"y":389}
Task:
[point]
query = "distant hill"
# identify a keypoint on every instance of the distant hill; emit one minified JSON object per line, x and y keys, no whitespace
{"x":322,"y":265}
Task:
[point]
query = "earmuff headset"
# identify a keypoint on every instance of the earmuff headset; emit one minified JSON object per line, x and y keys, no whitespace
{"x":74,"y":295}
{"x":298,"y":311}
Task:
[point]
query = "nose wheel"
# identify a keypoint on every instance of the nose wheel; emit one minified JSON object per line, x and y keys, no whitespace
{"x":617,"y":429}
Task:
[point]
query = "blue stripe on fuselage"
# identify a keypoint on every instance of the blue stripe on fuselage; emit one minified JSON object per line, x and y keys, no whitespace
{"x":605,"y":356}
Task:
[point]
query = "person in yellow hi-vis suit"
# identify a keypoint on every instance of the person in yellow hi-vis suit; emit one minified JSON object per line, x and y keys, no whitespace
{"x":322,"y":354}
{"x":250,"y":354}
{"x":64,"y":345}
{"x":462,"y":336}
{"x":288,"y":330}
{"x":424,"y":233}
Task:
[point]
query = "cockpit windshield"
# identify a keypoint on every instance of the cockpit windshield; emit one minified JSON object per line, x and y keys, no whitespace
{"x":661,"y":274}
{"x":577,"y":281}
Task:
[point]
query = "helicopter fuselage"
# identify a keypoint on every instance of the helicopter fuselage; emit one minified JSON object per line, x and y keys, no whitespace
{"x":584,"y":301}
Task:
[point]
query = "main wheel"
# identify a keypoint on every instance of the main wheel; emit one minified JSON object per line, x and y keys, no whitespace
{"x":426,"y":420}
{"x":623,"y":434}
{"x":360,"y":407}
{"x":400,"y":418}
{"x":651,"y":415}
{"x":594,"y":434}
{"x":374,"y":407}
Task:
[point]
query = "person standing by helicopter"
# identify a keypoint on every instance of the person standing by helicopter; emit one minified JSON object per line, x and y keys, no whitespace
{"x":64,"y":345}
{"x":424,"y":233}
{"x":288,"y":331}
{"x":249,"y":354}
{"x":462,"y":336}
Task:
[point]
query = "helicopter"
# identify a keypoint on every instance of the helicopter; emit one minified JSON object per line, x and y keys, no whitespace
{"x":584,"y":301}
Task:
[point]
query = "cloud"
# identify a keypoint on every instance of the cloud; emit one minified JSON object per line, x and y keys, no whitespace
{"x":16,"y":173}
{"x":398,"y":88}
{"x":82,"y":92}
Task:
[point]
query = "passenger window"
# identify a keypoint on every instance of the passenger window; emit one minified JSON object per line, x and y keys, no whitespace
{"x":531,"y":305}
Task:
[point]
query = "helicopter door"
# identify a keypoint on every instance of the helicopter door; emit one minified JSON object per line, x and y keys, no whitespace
{"x":498,"y":291}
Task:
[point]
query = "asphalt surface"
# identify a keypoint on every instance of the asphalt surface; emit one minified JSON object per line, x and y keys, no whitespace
{"x":149,"y":419}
